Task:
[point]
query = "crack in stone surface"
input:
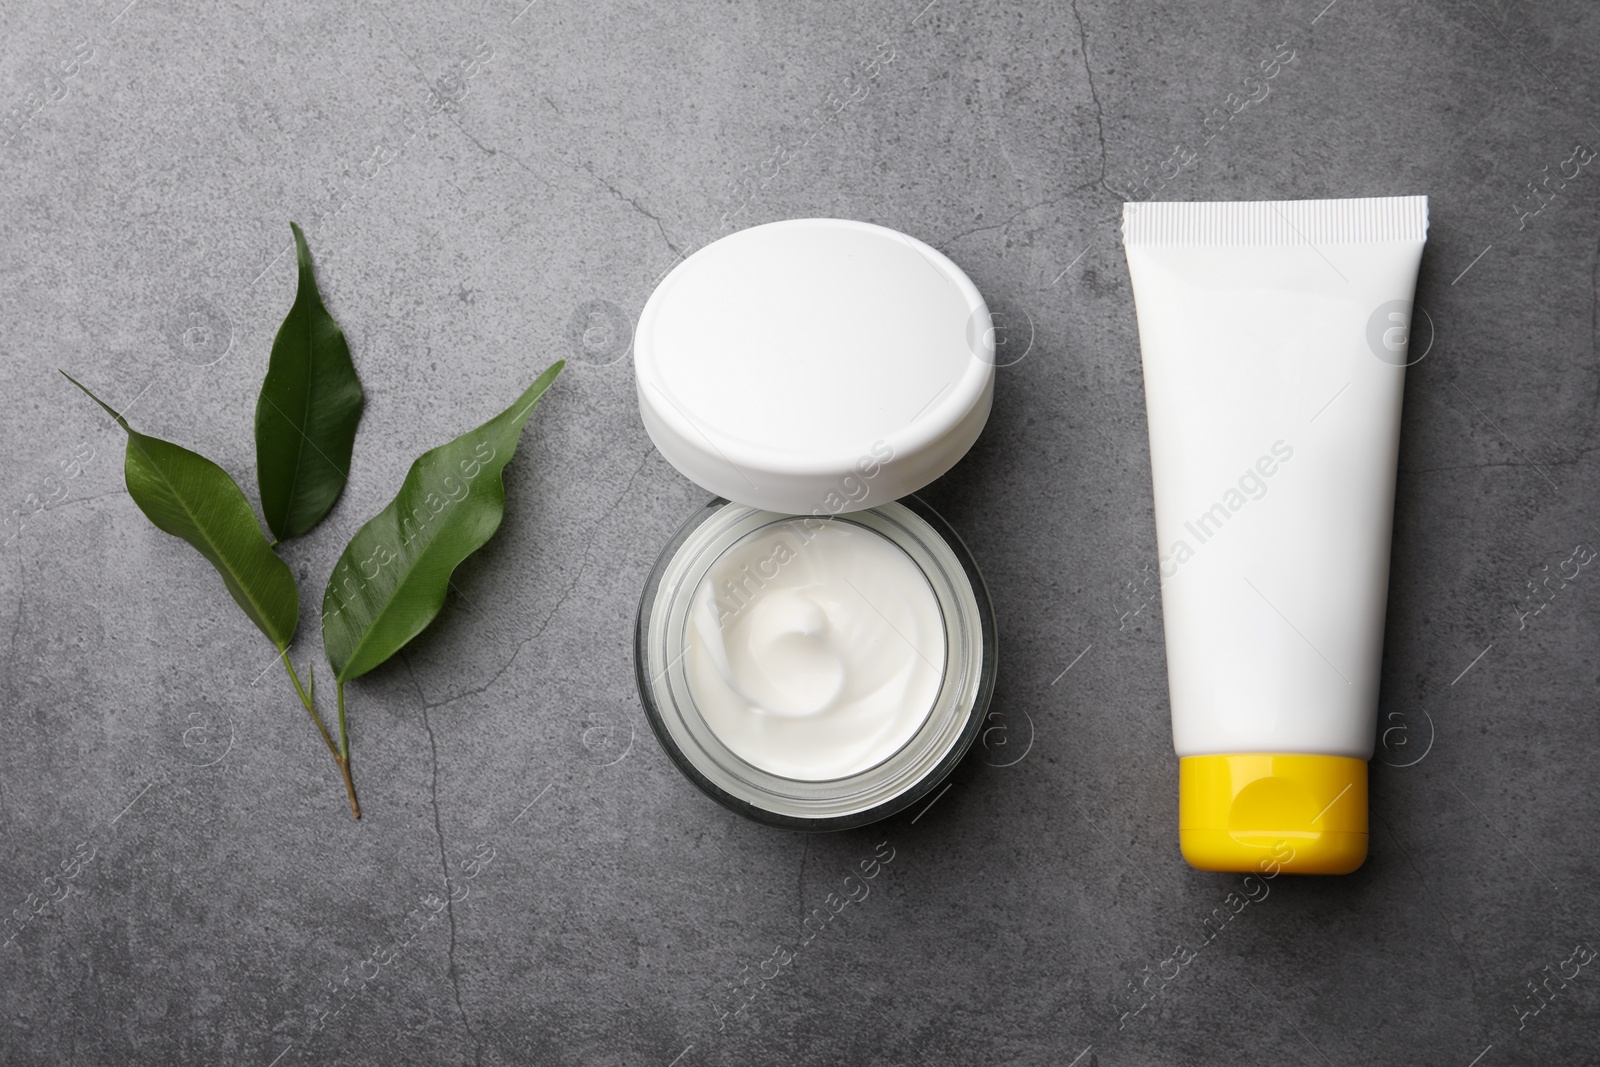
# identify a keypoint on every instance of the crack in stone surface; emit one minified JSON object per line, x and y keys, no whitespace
{"x":634,"y":203}
{"x":485,"y":149}
{"x":444,"y":864}
{"x":1576,"y":459}
{"x":1099,"y":112}
{"x":800,"y":882}
{"x":1594,"y":326}
{"x":22,"y":603}
{"x":583,"y":565}
{"x":1021,"y":212}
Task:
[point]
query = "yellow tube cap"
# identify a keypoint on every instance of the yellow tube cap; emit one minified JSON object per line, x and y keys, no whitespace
{"x":1266,"y":812}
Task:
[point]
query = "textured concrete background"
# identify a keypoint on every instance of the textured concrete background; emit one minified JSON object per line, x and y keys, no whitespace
{"x":488,"y":187}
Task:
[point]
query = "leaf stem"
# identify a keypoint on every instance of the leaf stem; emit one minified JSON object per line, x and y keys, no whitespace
{"x":344,"y":735}
{"x":349,"y":786}
{"x":309,"y":701}
{"x":344,"y":758}
{"x":311,"y":708}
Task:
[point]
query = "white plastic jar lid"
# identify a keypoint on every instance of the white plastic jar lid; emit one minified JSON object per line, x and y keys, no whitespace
{"x":814,"y":366}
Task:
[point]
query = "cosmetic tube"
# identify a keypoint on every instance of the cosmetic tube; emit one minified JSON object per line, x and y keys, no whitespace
{"x":1274,"y":338}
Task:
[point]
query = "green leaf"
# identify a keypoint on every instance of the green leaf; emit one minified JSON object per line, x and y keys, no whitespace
{"x":191,"y":497}
{"x":307,"y":414}
{"x":391,"y":580}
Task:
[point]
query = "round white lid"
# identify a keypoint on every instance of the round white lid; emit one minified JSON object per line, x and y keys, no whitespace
{"x":814,"y":366}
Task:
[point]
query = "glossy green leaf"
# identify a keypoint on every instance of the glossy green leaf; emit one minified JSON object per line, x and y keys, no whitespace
{"x":307,"y":413}
{"x":392,"y":578}
{"x":191,"y":497}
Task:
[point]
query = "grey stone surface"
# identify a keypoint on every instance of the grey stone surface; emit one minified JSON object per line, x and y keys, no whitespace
{"x":225,"y":908}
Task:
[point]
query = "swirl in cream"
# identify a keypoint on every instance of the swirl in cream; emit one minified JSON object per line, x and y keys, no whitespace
{"x":815,"y":650}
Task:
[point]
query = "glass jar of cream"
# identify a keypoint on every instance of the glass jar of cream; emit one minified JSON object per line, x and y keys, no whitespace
{"x":815,"y":648}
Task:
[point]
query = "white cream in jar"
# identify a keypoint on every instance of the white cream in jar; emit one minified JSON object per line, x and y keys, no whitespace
{"x":815,"y":650}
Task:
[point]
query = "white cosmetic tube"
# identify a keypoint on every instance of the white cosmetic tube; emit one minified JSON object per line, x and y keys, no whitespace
{"x":1275,"y":337}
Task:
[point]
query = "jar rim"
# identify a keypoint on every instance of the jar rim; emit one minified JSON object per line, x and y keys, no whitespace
{"x":888,"y":787}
